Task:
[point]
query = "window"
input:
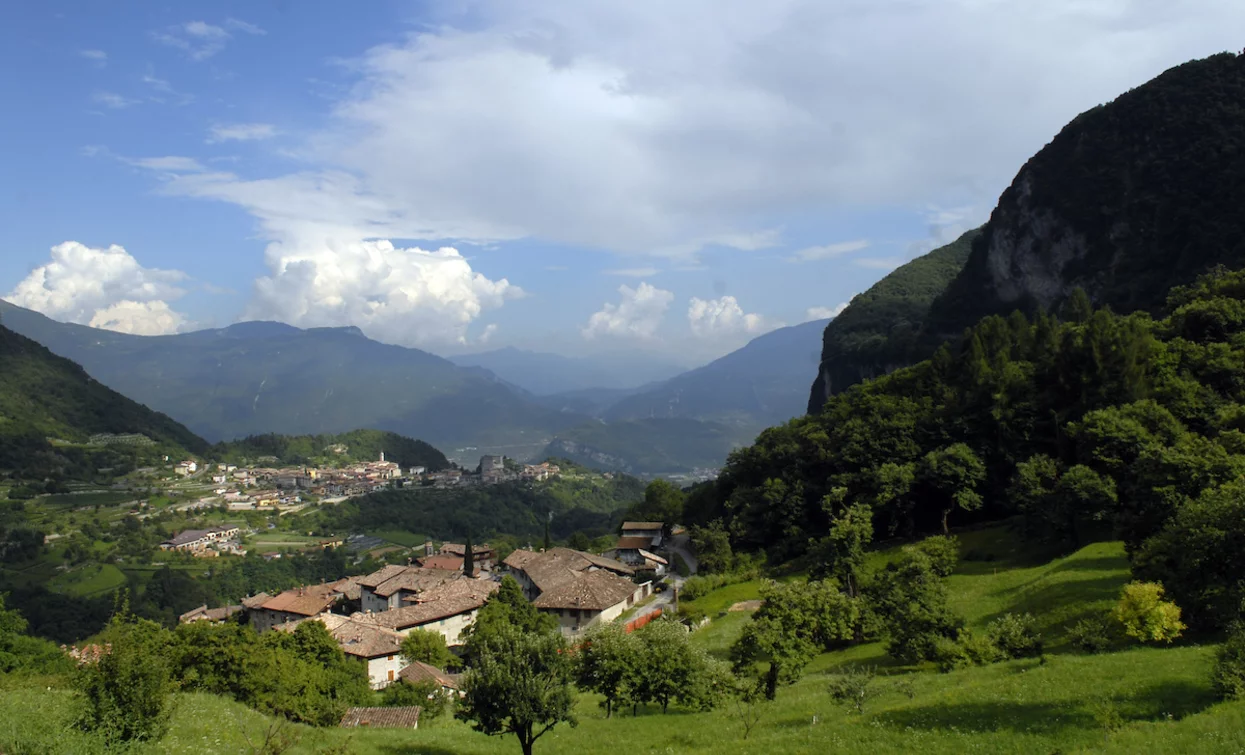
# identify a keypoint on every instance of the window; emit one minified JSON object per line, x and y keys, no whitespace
{"x":391,"y":658}
{"x":391,"y":670}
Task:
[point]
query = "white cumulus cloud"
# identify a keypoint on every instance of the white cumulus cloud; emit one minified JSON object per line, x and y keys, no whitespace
{"x":637,"y":126}
{"x":723,"y":318}
{"x":412,"y":297}
{"x":824,"y":313}
{"x":105,"y":288}
{"x":637,"y":314}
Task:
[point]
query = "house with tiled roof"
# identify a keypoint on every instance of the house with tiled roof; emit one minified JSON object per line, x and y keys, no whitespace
{"x":420,"y":672}
{"x":378,"y":648}
{"x":291,"y":605}
{"x":484,"y":554}
{"x":538,"y":572}
{"x":396,"y":586}
{"x":579,"y":589}
{"x":589,"y":598}
{"x":406,"y":717}
{"x":214,"y":615}
{"x":655,"y":532}
{"x":447,"y":609}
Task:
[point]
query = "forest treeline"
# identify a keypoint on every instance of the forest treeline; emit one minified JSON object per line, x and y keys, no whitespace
{"x":1087,"y":423}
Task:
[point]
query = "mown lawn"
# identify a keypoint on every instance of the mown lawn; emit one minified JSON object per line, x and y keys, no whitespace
{"x":400,"y":537}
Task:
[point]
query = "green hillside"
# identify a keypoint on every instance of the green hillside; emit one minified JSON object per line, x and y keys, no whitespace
{"x":879,"y":330}
{"x":50,"y":408}
{"x":358,"y":445}
{"x":1129,"y":699}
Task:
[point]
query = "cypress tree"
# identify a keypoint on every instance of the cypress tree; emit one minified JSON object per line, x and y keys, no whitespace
{"x":469,"y":558}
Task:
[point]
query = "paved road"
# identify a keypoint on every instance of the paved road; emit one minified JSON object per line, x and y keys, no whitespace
{"x":679,"y":544}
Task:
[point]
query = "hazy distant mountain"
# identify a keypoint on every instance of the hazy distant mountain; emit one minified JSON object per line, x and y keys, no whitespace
{"x":262,"y":377}
{"x":761,"y":384}
{"x":545,"y":374}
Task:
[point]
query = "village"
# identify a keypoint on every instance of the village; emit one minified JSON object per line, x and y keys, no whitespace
{"x":442,"y":590}
{"x":289,"y":489}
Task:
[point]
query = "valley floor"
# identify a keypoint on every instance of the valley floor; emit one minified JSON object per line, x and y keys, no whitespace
{"x":1128,"y":701}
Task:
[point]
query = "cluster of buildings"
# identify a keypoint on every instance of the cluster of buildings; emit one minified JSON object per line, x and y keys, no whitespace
{"x":210,"y":542}
{"x":250,"y":488}
{"x":369,"y":615}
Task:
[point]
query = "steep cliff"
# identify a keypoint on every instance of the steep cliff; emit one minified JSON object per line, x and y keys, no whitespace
{"x":1129,"y":199}
{"x":879,"y":330}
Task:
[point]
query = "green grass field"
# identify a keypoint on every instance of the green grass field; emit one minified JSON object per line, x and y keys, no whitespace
{"x":88,"y":581}
{"x":399,"y":537}
{"x":1134,"y":700}
{"x":93,"y":498}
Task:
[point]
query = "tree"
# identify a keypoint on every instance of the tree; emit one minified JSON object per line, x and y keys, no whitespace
{"x":712,"y":544}
{"x":1198,"y":556}
{"x":608,"y":664}
{"x":841,"y":554}
{"x":669,"y":664}
{"x":579,"y":541}
{"x":793,"y":623}
{"x":910,"y":602}
{"x":853,"y":686}
{"x":126,"y":691}
{"x":663,"y":502}
{"x":952,"y":475}
{"x":469,"y":558}
{"x":504,"y":609}
{"x":426,"y":647}
{"x":1145,"y":615}
{"x":519,"y":684}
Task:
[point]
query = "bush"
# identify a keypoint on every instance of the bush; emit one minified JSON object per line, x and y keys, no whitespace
{"x":1228,"y":676}
{"x":125,"y":689}
{"x":1145,"y":615}
{"x":943,"y":553}
{"x":1015,"y":636}
{"x":968,"y":649}
{"x":853,"y":686}
{"x":1090,"y":635}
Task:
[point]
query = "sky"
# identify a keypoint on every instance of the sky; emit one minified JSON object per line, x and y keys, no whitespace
{"x":664,"y":178}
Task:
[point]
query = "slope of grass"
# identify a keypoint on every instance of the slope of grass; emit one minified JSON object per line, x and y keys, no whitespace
{"x":1135,"y":700}
{"x":85,"y":581}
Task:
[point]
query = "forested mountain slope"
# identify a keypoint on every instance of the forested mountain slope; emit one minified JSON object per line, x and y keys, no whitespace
{"x":357,"y":445}
{"x":44,"y":396}
{"x":878,"y":331}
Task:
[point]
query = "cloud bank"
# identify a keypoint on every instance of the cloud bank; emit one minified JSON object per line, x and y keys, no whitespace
{"x":103,"y":288}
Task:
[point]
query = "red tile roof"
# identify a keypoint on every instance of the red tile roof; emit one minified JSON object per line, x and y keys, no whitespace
{"x":423,"y":672}
{"x":593,"y":591}
{"x":304,"y":601}
{"x":449,"y":599}
{"x":382,"y":718}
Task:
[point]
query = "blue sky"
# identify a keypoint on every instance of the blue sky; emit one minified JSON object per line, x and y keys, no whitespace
{"x":650,"y":177}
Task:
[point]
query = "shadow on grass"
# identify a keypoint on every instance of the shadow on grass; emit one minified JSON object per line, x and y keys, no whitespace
{"x":417,"y":749}
{"x":1166,"y":700}
{"x":1081,"y":599}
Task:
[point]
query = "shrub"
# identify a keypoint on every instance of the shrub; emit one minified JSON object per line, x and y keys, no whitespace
{"x":943,"y":553}
{"x":968,"y":649}
{"x":1090,"y":635}
{"x":1228,"y":676}
{"x":125,"y":688}
{"x":1015,"y":636}
{"x":853,"y":686}
{"x":1145,"y":615}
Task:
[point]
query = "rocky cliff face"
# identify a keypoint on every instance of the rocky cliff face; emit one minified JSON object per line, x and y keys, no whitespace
{"x":1128,"y":200}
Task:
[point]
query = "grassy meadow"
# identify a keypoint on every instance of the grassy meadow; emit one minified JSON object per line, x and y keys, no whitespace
{"x":1133,"y":699}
